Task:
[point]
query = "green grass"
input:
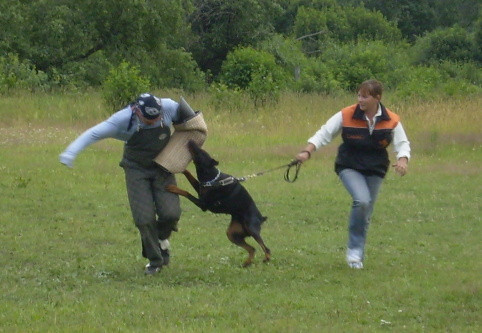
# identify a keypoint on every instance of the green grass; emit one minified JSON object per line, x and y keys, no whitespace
{"x":70,"y":254}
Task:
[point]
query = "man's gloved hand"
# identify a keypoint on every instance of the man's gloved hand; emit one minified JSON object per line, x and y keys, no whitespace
{"x":67,"y":159}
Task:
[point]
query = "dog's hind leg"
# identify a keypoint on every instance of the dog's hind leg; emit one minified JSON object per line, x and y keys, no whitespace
{"x":267,"y":251}
{"x":237,"y":234}
{"x":254,"y":230}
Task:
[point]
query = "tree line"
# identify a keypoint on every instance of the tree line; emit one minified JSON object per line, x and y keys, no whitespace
{"x":259,"y":46}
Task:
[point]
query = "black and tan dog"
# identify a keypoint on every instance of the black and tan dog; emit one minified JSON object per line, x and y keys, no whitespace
{"x":221,"y":193}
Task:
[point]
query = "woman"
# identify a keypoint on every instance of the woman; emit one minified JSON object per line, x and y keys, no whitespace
{"x":367,"y":128}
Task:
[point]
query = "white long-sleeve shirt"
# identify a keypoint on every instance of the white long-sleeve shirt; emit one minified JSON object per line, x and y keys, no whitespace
{"x":333,"y":126}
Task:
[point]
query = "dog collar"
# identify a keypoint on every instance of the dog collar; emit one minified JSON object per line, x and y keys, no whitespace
{"x":222,"y":182}
{"x":211,"y":182}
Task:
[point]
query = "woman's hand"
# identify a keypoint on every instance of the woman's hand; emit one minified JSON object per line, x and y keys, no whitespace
{"x":303,"y":156}
{"x":401,"y":166}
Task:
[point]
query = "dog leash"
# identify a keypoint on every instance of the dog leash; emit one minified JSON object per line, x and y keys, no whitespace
{"x":295,"y":163}
{"x":229,"y":180}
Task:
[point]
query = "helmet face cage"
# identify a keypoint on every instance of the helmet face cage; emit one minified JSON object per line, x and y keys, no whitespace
{"x":149,"y":105}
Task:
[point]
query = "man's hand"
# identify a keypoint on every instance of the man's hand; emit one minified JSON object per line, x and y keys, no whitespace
{"x":66,"y":160}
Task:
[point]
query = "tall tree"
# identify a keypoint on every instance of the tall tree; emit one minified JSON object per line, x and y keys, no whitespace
{"x":341,"y":24}
{"x":222,"y":25}
{"x":55,"y":34}
{"x":416,"y":17}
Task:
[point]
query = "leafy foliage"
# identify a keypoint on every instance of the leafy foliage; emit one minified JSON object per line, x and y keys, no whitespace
{"x":304,"y":74}
{"x":453,"y":44}
{"x":416,"y":17}
{"x":478,"y":39}
{"x":20,"y":75}
{"x":221,"y":26}
{"x":81,"y":40}
{"x":354,"y":62}
{"x":123,"y":85}
{"x":91,"y":71}
{"x":254,"y":71}
{"x":341,"y":24}
{"x":316,"y":76}
{"x":60,"y":44}
{"x":170,"y":68}
{"x":430,"y":82}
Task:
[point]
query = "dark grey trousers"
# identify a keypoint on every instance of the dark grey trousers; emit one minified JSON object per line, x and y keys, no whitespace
{"x":155,"y":210}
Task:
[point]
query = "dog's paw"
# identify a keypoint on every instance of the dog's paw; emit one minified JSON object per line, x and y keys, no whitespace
{"x":247,"y":263}
{"x":171,"y":188}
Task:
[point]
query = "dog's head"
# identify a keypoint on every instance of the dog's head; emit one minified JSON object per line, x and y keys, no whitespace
{"x":203,"y":162}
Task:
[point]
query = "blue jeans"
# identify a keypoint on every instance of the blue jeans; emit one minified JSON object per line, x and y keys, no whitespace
{"x":363,"y":190}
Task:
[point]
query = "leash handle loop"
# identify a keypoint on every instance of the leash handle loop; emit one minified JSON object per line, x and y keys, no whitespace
{"x":297,"y":165}
{"x":287,"y":177}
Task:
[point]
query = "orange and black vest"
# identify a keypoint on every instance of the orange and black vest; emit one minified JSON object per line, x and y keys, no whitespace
{"x":361,"y":150}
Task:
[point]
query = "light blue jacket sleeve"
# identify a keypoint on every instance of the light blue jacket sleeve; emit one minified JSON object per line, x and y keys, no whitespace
{"x":114,"y":127}
{"x":170,"y":110}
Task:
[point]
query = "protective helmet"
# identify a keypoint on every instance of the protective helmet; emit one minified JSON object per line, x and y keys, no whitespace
{"x":149,"y":105}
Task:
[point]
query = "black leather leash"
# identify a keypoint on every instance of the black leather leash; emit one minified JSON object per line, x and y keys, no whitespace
{"x":230,"y":180}
{"x":295,"y":163}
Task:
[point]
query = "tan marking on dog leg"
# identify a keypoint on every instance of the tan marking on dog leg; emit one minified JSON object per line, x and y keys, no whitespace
{"x":236,"y":234}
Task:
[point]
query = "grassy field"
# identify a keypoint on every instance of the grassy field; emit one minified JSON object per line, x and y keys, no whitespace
{"x":70,"y":254}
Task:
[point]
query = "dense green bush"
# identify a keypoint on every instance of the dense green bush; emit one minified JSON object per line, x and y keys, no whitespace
{"x":317,"y":45}
{"x":477,"y":50}
{"x":16,"y":74}
{"x":169,"y":68}
{"x":264,"y":88}
{"x":337,"y":24}
{"x":286,"y":51}
{"x":433,"y":81}
{"x":420,"y":82}
{"x":254,"y":71}
{"x":316,"y":76}
{"x":311,"y":22}
{"x":354,"y":62}
{"x":306,"y":74}
{"x":346,"y":24}
{"x":221,"y":26}
{"x":454,"y":44}
{"x":123,"y":85}
{"x":92,"y":71}
{"x":467,"y":71}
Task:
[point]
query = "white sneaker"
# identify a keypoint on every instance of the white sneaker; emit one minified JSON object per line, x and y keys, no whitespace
{"x":356,"y":265}
{"x":152,"y":270}
{"x":354,"y":258}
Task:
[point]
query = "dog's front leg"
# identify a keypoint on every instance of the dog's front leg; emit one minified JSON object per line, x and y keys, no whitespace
{"x":176,"y":190}
{"x":192,"y":180}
